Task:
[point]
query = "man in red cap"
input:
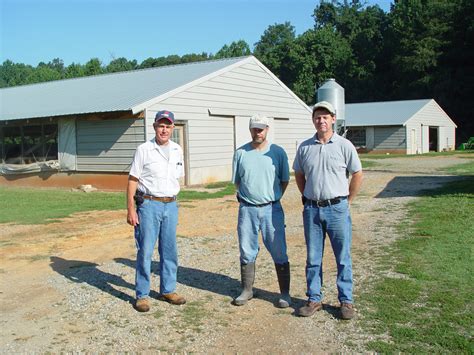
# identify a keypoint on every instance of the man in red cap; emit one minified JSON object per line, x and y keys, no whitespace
{"x":153,"y":185}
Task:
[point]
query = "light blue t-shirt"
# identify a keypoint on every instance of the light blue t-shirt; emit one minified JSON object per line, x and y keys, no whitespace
{"x":259,"y":173}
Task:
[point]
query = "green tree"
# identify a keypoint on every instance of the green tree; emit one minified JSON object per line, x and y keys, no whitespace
{"x":74,"y":70}
{"x":13,"y":74}
{"x":190,"y":58}
{"x":362,"y":28}
{"x":235,"y":49}
{"x":454,"y":80}
{"x":417,"y":32}
{"x":42,"y":73}
{"x":57,"y":64}
{"x":121,"y":64}
{"x":276,"y":50}
{"x":93,"y":67}
{"x":322,"y":54}
{"x":149,"y":63}
{"x":172,"y":60}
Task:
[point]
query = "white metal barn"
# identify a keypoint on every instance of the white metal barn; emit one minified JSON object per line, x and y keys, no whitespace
{"x":86,"y":130}
{"x":409,"y":126}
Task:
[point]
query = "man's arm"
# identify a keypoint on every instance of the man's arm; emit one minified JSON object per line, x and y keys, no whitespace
{"x":132,"y":216}
{"x":300,"y":181}
{"x":354,"y":186}
{"x":284,"y":171}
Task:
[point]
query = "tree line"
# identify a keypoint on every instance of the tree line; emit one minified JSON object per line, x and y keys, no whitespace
{"x":418,"y":49}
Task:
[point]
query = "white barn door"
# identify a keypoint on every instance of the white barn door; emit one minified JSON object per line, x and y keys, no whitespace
{"x":241,"y":131}
{"x":414,"y":144}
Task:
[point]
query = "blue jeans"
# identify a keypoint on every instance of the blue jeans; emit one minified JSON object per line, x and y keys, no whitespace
{"x":158,"y":222}
{"x":335,"y":220}
{"x":270,"y":221}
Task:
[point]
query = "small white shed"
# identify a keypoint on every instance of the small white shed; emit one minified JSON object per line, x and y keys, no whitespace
{"x":409,"y":127}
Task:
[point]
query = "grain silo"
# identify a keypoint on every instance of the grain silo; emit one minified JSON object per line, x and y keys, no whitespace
{"x":333,"y":93}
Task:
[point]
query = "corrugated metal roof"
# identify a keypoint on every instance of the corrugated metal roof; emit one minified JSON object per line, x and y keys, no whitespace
{"x":102,"y":93}
{"x":385,"y":113}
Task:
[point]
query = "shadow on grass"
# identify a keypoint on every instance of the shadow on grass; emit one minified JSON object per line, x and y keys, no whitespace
{"x":404,"y":186}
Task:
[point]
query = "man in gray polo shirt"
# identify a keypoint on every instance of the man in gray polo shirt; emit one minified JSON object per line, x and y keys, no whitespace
{"x":322,"y":166}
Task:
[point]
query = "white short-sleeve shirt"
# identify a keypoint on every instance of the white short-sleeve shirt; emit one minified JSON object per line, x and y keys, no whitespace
{"x":158,"y":175}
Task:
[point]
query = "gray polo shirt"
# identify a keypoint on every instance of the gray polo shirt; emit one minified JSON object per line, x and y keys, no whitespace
{"x":326,"y":167}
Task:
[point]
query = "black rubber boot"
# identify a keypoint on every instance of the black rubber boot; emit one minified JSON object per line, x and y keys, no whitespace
{"x":283,"y":273}
{"x":247,"y":272}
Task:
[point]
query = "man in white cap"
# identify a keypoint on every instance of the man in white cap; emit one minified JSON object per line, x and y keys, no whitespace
{"x":261,"y":175}
{"x":322,"y":167}
{"x":153,"y":185}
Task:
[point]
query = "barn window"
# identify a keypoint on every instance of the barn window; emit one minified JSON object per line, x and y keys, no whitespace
{"x":357,"y":137}
{"x":29,"y":144}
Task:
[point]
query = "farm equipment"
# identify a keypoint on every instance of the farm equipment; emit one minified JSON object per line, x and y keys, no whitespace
{"x":467,"y":146}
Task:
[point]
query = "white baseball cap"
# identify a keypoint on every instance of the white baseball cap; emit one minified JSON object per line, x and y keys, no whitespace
{"x":258,"y":121}
{"x":324,"y":105}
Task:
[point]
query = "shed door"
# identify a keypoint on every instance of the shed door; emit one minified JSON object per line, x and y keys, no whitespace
{"x":241,"y":131}
{"x":413,"y":142}
{"x":178,"y":136}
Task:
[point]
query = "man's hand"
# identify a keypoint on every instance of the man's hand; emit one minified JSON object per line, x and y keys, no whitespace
{"x":132,"y":218}
{"x":300,"y":181}
{"x":354,"y":186}
{"x":303,"y":199}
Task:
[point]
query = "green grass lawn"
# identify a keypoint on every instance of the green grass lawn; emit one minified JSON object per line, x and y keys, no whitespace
{"x":225,"y":188}
{"x":34,"y":206}
{"x":461,"y":169}
{"x":466,"y":154}
{"x":430,"y":308}
{"x":367,"y":164}
{"x":370,"y":160}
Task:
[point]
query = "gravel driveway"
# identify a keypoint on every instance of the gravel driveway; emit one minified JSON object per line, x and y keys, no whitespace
{"x":68,"y":286}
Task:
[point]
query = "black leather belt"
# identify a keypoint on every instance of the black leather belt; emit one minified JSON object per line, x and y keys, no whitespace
{"x":261,"y":205}
{"x":325,"y":203}
{"x":252,"y":205}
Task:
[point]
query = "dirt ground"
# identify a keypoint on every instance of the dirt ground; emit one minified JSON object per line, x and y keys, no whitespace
{"x":69,"y":285}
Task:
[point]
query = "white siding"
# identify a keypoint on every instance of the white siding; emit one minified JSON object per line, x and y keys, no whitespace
{"x":447,"y":138}
{"x":425,"y":147}
{"x":211,"y":107}
{"x":67,"y":144}
{"x":369,"y":138}
{"x":107,"y":145}
{"x":390,"y":137}
{"x":432,"y":115}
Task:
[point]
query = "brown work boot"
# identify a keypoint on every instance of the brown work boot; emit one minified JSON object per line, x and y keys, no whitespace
{"x":310,"y":308}
{"x":142,"y":305}
{"x":173,"y":298}
{"x":347,"y":311}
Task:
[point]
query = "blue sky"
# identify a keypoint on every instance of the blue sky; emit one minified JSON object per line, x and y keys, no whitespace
{"x":33,"y":31}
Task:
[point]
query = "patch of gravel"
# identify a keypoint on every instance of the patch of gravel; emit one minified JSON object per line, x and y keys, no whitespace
{"x":94,"y":312}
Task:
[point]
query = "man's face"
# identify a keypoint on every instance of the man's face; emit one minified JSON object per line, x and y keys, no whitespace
{"x":323,"y":121}
{"x":259,"y":135}
{"x":163,"y":130}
